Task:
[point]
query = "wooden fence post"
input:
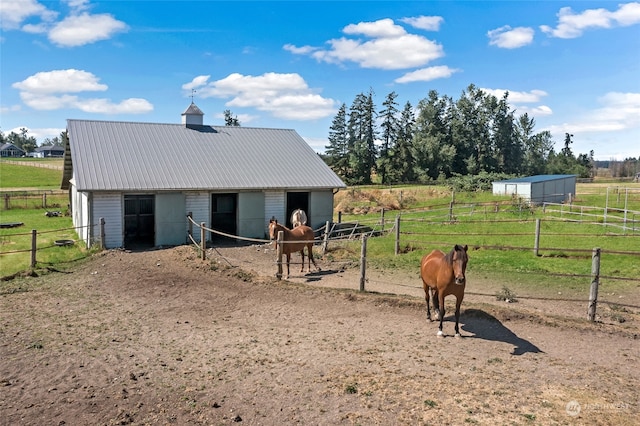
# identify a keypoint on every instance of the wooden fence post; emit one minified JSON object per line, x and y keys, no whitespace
{"x":203,"y":242}
{"x":44,"y":200}
{"x":397,"y":247}
{"x":339,"y":217}
{"x":325,"y":242}
{"x":382,"y":218}
{"x":279,"y":243}
{"x":6,"y":201}
{"x":189,"y":227}
{"x":363,"y":261}
{"x":103,"y":243}
{"x":34,"y":247}
{"x":536,"y":244}
{"x":595,"y":279}
{"x":451,"y":211}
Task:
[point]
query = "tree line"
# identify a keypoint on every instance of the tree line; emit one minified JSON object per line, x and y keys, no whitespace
{"x":29,"y":143}
{"x":442,"y":138}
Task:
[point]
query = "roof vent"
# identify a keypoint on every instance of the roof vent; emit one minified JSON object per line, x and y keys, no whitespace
{"x":192,"y":116}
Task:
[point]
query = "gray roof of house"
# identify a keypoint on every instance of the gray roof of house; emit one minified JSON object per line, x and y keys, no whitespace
{"x":126,"y":156}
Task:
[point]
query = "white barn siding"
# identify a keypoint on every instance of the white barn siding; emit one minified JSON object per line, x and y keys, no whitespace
{"x":274,"y":206}
{"x":251,"y":214}
{"x":199,"y":204}
{"x":109,"y":207}
{"x":170,"y":218}
{"x":80,"y":215}
{"x":321,"y":206}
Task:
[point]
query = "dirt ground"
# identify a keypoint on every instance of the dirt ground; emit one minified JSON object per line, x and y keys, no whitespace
{"x":161,"y":337}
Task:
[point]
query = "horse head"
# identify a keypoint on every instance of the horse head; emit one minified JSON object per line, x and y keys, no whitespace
{"x":459,"y":261}
{"x":273,"y":224}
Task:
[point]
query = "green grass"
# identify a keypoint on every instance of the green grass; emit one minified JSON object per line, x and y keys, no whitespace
{"x":501,"y":244}
{"x":49,"y":229}
{"x":15,"y":176}
{"x":26,"y":205}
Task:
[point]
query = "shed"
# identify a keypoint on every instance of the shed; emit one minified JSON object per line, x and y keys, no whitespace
{"x":538,"y":189}
{"x":144,"y":178}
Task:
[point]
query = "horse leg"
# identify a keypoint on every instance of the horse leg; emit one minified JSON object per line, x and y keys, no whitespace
{"x":311,"y":259}
{"x":427,"y":294}
{"x":288,"y":261}
{"x":302,"y":266}
{"x":458,"y":303}
{"x":435,"y":297}
{"x":440,"y":333}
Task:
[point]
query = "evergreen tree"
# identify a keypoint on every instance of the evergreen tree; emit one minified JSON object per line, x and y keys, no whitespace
{"x":390,"y":131}
{"x":402,"y":162}
{"x":337,"y":151}
{"x":361,"y":130}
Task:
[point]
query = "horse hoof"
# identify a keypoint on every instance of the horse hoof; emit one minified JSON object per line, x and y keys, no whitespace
{"x":440,"y":333}
{"x":458,"y":335}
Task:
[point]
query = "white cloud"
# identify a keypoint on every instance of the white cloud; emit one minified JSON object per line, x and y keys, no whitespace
{"x":14,"y":12}
{"x":388,"y":46}
{"x":54,"y":90}
{"x":429,"y":23}
{"x":60,"y":81}
{"x":77,"y":29}
{"x":510,"y":38}
{"x":39,"y":134}
{"x":572,"y":25}
{"x":283,"y":95}
{"x":619,"y":111}
{"x":427,"y":74}
{"x":83,"y":29}
{"x":302,"y":50}
{"x":518,"y":97}
{"x":382,"y":28}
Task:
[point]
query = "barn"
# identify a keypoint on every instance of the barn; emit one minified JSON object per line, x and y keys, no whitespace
{"x":538,"y":189}
{"x":144,"y":178}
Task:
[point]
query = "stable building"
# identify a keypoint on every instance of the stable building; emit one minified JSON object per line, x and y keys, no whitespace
{"x":144,"y":178}
{"x":538,"y":189}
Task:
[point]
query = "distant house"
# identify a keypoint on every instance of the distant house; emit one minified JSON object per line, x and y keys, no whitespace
{"x":50,"y":151}
{"x":143,"y":179}
{"x":10,"y":150}
{"x":538,"y":189}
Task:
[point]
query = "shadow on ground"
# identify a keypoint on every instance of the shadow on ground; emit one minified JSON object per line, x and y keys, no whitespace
{"x":485,"y":326}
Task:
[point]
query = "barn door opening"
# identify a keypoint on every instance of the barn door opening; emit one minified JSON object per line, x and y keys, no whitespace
{"x":223,"y":214}
{"x":139,"y":221}
{"x":297,"y":200}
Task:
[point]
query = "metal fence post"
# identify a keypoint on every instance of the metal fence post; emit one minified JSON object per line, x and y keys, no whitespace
{"x":595,"y":278}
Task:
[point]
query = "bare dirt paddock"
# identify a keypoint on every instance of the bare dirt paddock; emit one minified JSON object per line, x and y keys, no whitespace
{"x":160,"y":337}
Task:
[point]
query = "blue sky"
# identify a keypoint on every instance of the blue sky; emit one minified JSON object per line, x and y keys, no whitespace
{"x":573,"y":66}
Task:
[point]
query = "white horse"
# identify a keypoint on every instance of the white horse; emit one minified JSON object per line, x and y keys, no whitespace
{"x":298,"y":217}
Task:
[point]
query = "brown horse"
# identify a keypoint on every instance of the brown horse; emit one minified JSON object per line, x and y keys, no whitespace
{"x":301,"y":233}
{"x":444,"y":275}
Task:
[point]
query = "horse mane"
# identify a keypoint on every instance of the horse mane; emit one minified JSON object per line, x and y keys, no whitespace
{"x":449,"y":256}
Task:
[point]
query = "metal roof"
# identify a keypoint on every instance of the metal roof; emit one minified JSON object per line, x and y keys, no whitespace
{"x":128,"y":156}
{"x":535,"y":179}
